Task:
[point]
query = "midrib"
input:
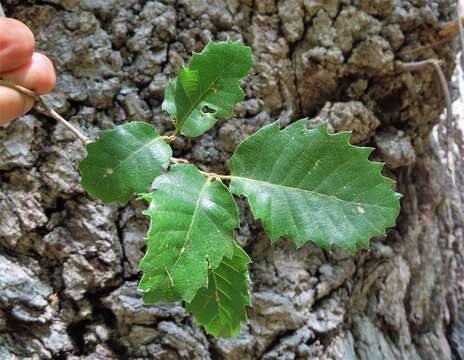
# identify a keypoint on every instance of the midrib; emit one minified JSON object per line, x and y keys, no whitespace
{"x":304,"y":191}
{"x":195,"y":212}
{"x":144,"y":146}
{"x":199,"y":98}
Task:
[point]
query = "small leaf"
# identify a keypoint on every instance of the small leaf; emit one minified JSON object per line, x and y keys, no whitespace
{"x":311,"y":185}
{"x":124,"y":161}
{"x":220,"y":307}
{"x":192,"y":228}
{"x":212,"y":81}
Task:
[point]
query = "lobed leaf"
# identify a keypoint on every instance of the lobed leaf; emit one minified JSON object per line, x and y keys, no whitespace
{"x":209,"y":88}
{"x":124,"y":161}
{"x":311,"y":185}
{"x":192,"y":224}
{"x":220,"y":308}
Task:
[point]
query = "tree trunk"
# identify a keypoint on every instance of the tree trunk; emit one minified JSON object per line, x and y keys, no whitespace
{"x":68,"y":264}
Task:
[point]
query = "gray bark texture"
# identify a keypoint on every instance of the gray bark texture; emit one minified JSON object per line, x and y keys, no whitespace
{"x":68,"y":264}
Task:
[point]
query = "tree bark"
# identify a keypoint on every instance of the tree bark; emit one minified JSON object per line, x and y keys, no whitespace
{"x":68,"y":264}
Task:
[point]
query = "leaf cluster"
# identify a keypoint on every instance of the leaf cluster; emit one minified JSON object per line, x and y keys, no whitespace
{"x":303,"y":184}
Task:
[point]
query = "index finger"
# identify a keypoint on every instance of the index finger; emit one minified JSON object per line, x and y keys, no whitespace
{"x":16,"y":44}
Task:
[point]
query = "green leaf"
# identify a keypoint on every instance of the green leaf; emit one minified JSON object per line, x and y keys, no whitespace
{"x":311,"y":185}
{"x":211,"y":81}
{"x":220,"y":307}
{"x":192,"y":228}
{"x":124,"y":161}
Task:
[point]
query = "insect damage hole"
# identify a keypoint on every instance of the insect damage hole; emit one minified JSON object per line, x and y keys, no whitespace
{"x":207,"y":110}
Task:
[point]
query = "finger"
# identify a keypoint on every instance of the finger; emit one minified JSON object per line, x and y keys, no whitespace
{"x":38,"y":74}
{"x":13,"y":104}
{"x":16,"y":44}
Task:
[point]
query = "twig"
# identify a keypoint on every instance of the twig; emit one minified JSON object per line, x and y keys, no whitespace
{"x":449,"y":105}
{"x":43,"y":108}
{"x":419,"y":65}
{"x":179,"y":161}
{"x":414,"y":66}
{"x":40,"y":104}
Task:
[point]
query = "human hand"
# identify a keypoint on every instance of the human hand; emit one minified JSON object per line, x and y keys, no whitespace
{"x":20,"y":64}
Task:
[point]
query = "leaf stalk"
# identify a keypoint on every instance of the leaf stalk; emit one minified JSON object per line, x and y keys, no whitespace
{"x":169,"y":139}
{"x":216,"y":176}
{"x":210,"y":175}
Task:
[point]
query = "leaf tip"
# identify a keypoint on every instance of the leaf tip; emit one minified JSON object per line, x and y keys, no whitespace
{"x":323,"y":128}
{"x":366,"y":151}
{"x":344,"y":136}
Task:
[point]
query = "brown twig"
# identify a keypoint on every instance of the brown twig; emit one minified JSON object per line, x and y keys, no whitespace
{"x":43,"y":108}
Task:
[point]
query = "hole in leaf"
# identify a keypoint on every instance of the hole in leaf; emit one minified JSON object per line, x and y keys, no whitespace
{"x":207,"y":110}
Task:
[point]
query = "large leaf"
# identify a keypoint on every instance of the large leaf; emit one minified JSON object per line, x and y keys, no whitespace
{"x":311,"y":185}
{"x":209,"y":88}
{"x":192,"y":224}
{"x":220,"y":307}
{"x":124,"y":161}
